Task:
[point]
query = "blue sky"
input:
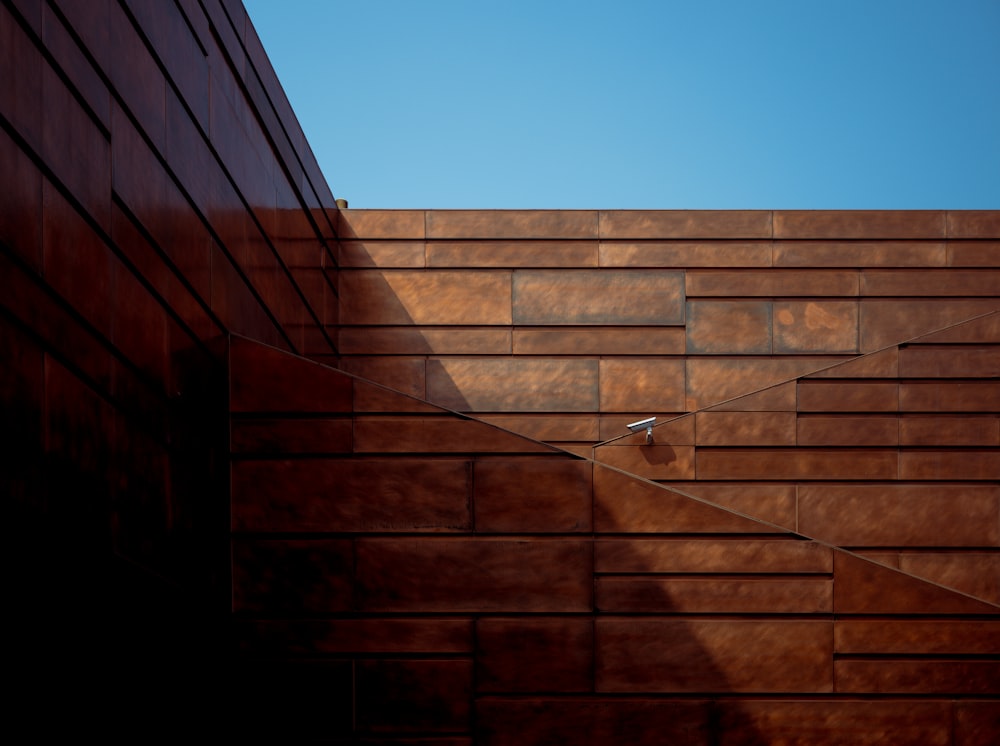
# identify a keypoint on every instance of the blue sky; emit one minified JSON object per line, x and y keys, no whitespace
{"x":701,"y":104}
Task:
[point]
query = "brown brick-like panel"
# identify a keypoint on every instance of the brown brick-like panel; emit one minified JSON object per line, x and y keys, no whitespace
{"x":507,"y":224}
{"x":714,"y":595}
{"x":908,"y":514}
{"x":801,"y":463}
{"x":297,"y":576}
{"x":686,"y":254}
{"x":380,"y":224}
{"x":860,"y":254}
{"x":413,"y":696}
{"x":335,"y":495}
{"x":711,"y":556}
{"x":478,"y":254}
{"x":514,"y":384}
{"x":865,"y":723}
{"x":642,"y":722}
{"x":864,"y":587}
{"x":623,"y":504}
{"x":535,"y":655}
{"x":685,"y":224}
{"x":600,"y":297}
{"x":511,"y":575}
{"x":403,"y":297}
{"x":533,"y":496}
{"x":666,"y":655}
{"x":729,"y":327}
{"x":864,"y":224}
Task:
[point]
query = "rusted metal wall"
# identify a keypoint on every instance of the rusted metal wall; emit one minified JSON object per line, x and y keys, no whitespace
{"x":156,"y":193}
{"x":403,"y":574}
{"x":395,"y":572}
{"x":565,"y":325}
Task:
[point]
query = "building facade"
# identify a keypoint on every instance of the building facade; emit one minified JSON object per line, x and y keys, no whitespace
{"x":303,"y":473}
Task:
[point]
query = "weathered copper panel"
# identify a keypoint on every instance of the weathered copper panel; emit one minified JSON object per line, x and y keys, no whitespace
{"x":711,"y":556}
{"x":685,"y":224}
{"x":715,"y":595}
{"x":667,"y":655}
{"x":778,"y":283}
{"x":404,"y":340}
{"x":965,"y":464}
{"x":815,"y":326}
{"x":534,"y":655}
{"x":974,"y":573}
{"x":860,"y":254}
{"x":269,"y":380}
{"x":976,"y":723}
{"x":916,"y":636}
{"x":916,"y":676}
{"x":745,"y":428}
{"x":335,"y":495}
{"x":523,"y":224}
{"x":766,"y":501}
{"x":848,"y":396}
{"x":728,"y":327}
{"x":776,"y":398}
{"x":642,"y":384}
{"x":381,"y":254}
{"x":404,"y":434}
{"x":850,"y":722}
{"x":623,"y":503}
{"x":281,"y":436}
{"x":650,"y":461}
{"x":484,"y":575}
{"x":480,"y":254}
{"x":314,"y":637}
{"x":21,"y":94}
{"x":513,"y":384}
{"x":949,"y":361}
{"x":404,"y":297}
{"x":21,"y":208}
{"x":864,"y":587}
{"x":949,"y":430}
{"x":605,"y":297}
{"x":955,"y":282}
{"x":622,"y":340}
{"x":848,"y":430}
{"x":974,"y":254}
{"x":984,"y":329}
{"x":637,"y":722}
{"x":406,"y":696}
{"x":69,"y":57}
{"x":973,"y":396}
{"x":370,"y":397}
{"x":531,"y":495}
{"x":297,"y":576}
{"x":378,"y":224}
{"x":405,"y":374}
{"x":865,"y":224}
{"x":885,"y":322}
{"x":686,"y":254}
{"x":796,"y":463}
{"x":973,"y":224}
{"x":75,"y":148}
{"x":548,"y":427}
{"x":901,"y":514}
{"x":881,"y":364}
{"x":714,"y":380}
{"x":76,"y":262}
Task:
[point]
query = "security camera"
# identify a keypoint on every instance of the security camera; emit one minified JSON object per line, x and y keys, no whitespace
{"x":646,"y":424}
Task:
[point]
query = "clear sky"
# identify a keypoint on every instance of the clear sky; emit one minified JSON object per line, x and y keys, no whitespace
{"x":659,"y":104}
